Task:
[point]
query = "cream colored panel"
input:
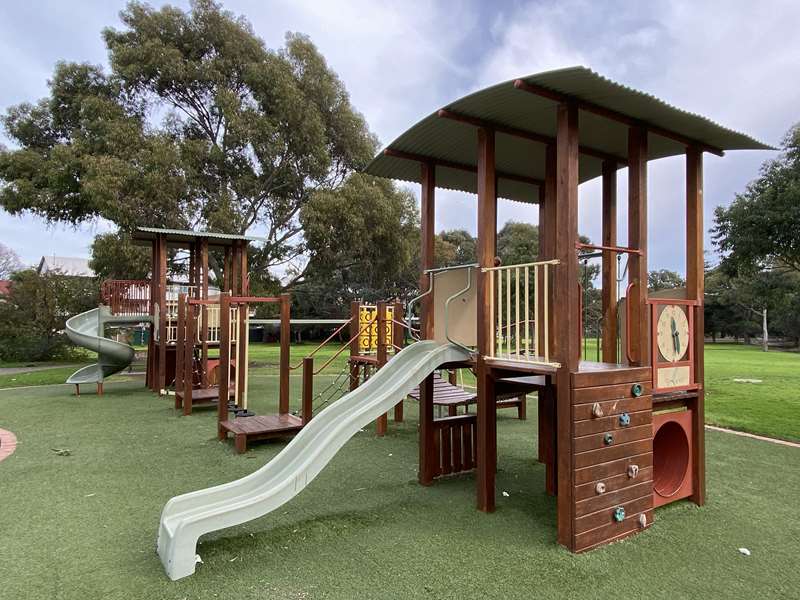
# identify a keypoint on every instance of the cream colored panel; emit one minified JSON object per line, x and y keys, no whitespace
{"x":463,"y":311}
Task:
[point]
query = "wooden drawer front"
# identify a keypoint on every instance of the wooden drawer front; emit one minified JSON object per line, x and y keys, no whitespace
{"x":609,"y":499}
{"x":597,"y":441}
{"x":583,"y":412}
{"x":614,"y":483}
{"x":612,"y":532}
{"x":611,"y":423}
{"x":605,"y":516}
{"x":614,"y":452}
{"x":609,"y":392}
{"x":610,"y":469}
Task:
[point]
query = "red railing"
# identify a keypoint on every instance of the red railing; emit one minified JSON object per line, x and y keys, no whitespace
{"x":126,"y":296}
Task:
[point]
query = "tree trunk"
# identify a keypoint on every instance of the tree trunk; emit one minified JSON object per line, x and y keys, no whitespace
{"x":764,"y":332}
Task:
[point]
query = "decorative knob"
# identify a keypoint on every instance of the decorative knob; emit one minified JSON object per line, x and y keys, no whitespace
{"x":636,"y":390}
{"x":642,"y":520}
{"x":600,"y":488}
{"x":608,"y":439}
{"x":633,"y":471}
{"x":619,"y":514}
{"x":597,"y":410}
{"x":624,"y":419}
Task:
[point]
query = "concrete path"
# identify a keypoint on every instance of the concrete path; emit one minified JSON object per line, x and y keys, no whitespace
{"x":18,"y":370}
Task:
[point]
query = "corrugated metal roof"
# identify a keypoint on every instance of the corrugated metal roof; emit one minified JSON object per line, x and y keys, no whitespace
{"x":184,"y":235}
{"x":454,"y":141}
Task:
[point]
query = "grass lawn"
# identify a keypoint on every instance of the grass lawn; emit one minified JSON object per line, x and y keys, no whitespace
{"x":84,"y":525}
{"x":771,"y":407}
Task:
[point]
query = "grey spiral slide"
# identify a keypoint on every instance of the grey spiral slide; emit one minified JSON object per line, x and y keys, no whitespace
{"x":185,"y":518}
{"x":87,"y":330}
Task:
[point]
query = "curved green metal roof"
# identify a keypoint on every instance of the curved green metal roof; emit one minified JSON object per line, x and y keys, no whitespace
{"x":452,"y":141}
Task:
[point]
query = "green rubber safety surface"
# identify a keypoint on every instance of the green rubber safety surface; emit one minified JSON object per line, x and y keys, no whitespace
{"x":82,"y":494}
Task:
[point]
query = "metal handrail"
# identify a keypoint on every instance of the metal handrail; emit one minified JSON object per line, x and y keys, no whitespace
{"x":553,"y":261}
{"x":628,"y":348}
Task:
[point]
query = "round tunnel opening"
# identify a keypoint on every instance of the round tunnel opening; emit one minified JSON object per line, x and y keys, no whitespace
{"x":670,"y":458}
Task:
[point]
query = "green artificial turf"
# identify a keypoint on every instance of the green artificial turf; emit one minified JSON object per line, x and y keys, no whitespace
{"x":84,"y":525}
{"x":42,"y":377}
{"x":771,"y":407}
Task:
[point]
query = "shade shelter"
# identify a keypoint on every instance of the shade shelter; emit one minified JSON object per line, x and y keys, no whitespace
{"x":534,"y":140}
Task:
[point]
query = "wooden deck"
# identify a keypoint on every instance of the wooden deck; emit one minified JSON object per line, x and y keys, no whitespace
{"x":260,"y":427}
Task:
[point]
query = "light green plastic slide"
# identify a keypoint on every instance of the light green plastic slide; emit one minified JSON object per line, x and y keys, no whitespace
{"x":88,"y":331}
{"x":185,"y":518}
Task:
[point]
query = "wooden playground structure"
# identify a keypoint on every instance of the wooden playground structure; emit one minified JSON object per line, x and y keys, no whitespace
{"x":617,"y":436}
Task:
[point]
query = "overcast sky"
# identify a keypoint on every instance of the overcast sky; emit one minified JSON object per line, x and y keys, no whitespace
{"x":736,"y":62}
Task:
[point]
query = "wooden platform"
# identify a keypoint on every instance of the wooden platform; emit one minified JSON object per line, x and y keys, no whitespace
{"x":260,"y":427}
{"x":202,"y":396}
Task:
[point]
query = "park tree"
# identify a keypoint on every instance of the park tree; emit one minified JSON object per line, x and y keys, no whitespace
{"x":9,"y":261}
{"x":33,"y":315}
{"x":197,"y":124}
{"x":454,"y":247}
{"x":664,"y":279}
{"x":761,"y":228}
{"x":362,"y":242}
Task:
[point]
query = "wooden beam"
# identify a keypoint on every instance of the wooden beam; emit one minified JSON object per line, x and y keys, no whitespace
{"x":695,"y":290}
{"x":286,"y":340}
{"x":614,"y":115}
{"x":428,"y":238}
{"x":547,"y":232}
{"x":458,"y":166}
{"x":566,"y":297}
{"x":487,"y":244}
{"x":162,"y":317}
{"x":609,"y":274}
{"x":527,"y":135}
{"x":428,"y":460}
{"x":636,"y":328}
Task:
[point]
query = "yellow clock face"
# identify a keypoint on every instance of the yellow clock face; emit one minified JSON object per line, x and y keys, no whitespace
{"x":672,"y":333}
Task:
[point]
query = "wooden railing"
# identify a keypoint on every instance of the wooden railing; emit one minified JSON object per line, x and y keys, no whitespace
{"x":126,"y":296}
{"x":520,"y":312}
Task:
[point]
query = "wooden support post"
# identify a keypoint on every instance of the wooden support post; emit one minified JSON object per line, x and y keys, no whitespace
{"x":226,"y":270}
{"x":241,"y":355}
{"x":161,"y":380}
{"x":152,"y":366}
{"x":695,"y":290}
{"x":428,"y":460}
{"x":609,"y":276}
{"x":286,"y":340}
{"x":180,"y":348}
{"x":355,"y":327}
{"x":308,"y":389}
{"x":398,"y":339}
{"x":547,"y":231}
{"x":566,"y":297}
{"x":383,"y":420}
{"x":636,"y":328}
{"x":224,"y":362}
{"x":202,"y":292}
{"x":188,"y":357}
{"x":487,"y":244}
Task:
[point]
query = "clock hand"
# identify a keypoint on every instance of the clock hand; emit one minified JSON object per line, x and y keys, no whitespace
{"x":676,"y":342}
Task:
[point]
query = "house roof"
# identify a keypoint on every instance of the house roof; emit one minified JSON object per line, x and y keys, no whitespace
{"x":524,"y":122}
{"x":184,"y":236}
{"x":66,"y":265}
